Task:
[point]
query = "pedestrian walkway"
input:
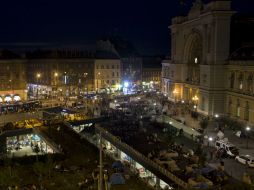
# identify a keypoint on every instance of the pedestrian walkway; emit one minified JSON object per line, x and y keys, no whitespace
{"x":188,"y":131}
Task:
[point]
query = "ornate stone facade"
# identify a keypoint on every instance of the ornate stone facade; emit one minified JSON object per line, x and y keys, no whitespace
{"x":201,"y":68}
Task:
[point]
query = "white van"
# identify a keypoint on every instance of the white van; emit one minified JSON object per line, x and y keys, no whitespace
{"x":229,"y":148}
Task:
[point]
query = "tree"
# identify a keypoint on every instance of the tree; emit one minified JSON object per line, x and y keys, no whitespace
{"x":49,"y":165}
{"x":7,"y":178}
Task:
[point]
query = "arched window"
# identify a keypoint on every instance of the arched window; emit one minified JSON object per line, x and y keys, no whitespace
{"x":238,"y":108}
{"x":246,"y":113}
{"x":240,"y":80}
{"x":250,"y":83}
{"x":193,"y":57}
{"x":232,"y":80}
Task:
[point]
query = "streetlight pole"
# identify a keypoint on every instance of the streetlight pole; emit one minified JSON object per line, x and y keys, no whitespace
{"x":55,"y":80}
{"x":86,"y":89}
{"x":98,"y":82}
{"x":11,"y":86}
{"x":38,"y":76}
{"x":101,"y":166}
{"x":247,"y":136}
{"x":195,"y":100}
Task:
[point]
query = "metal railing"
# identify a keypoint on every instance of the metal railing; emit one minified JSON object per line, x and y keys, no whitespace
{"x":146,"y":160}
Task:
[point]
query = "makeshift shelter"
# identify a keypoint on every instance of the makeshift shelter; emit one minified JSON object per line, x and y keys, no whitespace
{"x":117,"y":165}
{"x":117,"y":179}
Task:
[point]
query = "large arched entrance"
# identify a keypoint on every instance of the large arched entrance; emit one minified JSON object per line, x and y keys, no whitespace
{"x":193,"y":58}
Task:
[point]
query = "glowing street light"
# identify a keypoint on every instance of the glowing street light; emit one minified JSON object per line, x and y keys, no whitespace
{"x":195,"y":100}
{"x":126,"y":84}
{"x":98,"y":81}
{"x":38,"y":75}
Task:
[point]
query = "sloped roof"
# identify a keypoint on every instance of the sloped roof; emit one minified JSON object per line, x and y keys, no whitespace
{"x":243,"y":53}
{"x":106,"y":55}
{"x":123,"y":47}
{"x":7,"y":54}
{"x":59,"y":54}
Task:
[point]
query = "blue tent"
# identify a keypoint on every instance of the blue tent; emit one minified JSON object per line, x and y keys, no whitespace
{"x":206,"y":170}
{"x":117,"y":164}
{"x":117,"y":179}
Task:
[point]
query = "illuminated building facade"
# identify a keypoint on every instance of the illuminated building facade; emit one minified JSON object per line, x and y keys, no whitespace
{"x":206,"y":67}
{"x":60,"y":72}
{"x":12,"y":77}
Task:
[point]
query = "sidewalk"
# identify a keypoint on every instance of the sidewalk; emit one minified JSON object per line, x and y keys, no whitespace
{"x":190,"y":132}
{"x":189,"y":121}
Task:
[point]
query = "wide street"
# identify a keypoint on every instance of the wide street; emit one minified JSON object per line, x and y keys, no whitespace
{"x":14,"y":117}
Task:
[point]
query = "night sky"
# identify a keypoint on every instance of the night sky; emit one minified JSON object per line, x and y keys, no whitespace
{"x":143,"y":22}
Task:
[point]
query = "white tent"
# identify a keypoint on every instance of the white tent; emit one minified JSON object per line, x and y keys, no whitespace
{"x":220,"y":135}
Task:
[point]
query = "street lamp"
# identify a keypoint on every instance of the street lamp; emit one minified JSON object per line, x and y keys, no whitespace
{"x":195,"y":100}
{"x":56,"y":79}
{"x":11,"y":86}
{"x":85,"y":82}
{"x":38,"y":76}
{"x":247,"y":136}
{"x":55,"y":83}
{"x":210,"y":140}
{"x":98,"y":82}
{"x":86,"y":89}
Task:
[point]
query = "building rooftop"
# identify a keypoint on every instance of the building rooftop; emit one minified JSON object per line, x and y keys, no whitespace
{"x":59,"y":54}
{"x":243,"y":53}
{"x":7,"y":54}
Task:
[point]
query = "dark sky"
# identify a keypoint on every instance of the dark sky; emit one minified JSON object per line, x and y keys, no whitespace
{"x":144,"y":22}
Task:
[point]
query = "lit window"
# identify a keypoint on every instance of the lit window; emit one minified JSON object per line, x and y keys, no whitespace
{"x":196,"y":60}
{"x":241,"y":85}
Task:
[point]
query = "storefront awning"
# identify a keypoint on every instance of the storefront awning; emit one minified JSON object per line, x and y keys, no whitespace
{"x":7,"y":98}
{"x":16,"y":98}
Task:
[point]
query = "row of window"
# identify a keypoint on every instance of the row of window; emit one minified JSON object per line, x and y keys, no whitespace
{"x":107,"y":67}
{"x":107,"y":82}
{"x":102,"y":75}
{"x":239,"y":82}
{"x":238,"y":108}
{"x":167,"y":73}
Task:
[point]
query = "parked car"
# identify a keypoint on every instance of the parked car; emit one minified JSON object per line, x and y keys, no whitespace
{"x":230,"y":149}
{"x":245,"y":159}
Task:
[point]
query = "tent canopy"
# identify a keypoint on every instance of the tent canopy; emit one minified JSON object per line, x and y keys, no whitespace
{"x":117,"y":164}
{"x":117,"y":179}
